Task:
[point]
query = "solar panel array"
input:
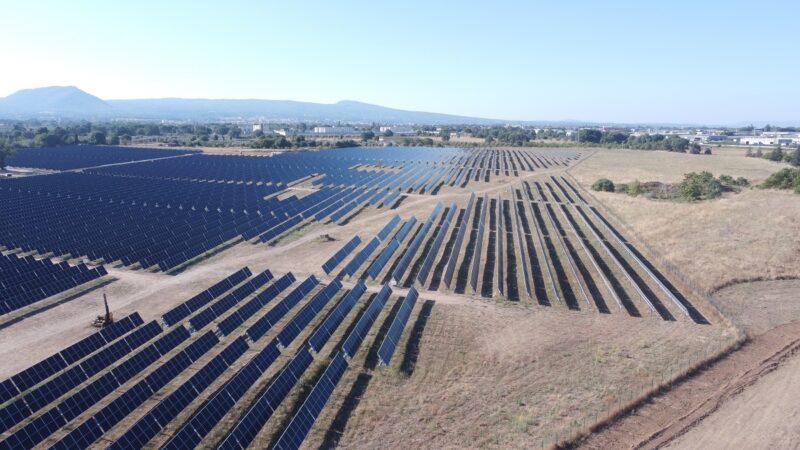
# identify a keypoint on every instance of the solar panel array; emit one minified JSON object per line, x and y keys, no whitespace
{"x":389,"y":345}
{"x":297,"y":430}
{"x":218,"y":308}
{"x":433,"y":252}
{"x":26,"y":280}
{"x":81,"y":156}
{"x":462,"y":229}
{"x":51,"y":365}
{"x":362,"y":326}
{"x":183,"y":310}
{"x":292,"y":329}
{"x":268,"y":320}
{"x":412,"y":248}
{"x":326,"y":329}
{"x":341,"y":254}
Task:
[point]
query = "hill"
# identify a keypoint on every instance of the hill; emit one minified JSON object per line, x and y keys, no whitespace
{"x":54,"y":101}
{"x":71,"y":102}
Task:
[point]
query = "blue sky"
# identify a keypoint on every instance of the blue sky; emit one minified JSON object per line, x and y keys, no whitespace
{"x":612,"y":61}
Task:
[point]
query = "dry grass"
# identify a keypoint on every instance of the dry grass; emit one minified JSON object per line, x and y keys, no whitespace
{"x":493,"y":375}
{"x":667,"y":167}
{"x":738,"y":237}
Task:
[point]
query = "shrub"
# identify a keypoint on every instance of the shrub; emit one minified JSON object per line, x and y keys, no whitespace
{"x":635,"y":188}
{"x":699,"y":186}
{"x":784,"y":179}
{"x":621,"y":187}
{"x":603,"y":185}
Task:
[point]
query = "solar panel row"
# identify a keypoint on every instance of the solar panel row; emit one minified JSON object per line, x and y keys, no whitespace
{"x":262,"y":409}
{"x":307,"y":314}
{"x":377,"y":265}
{"x":188,"y":307}
{"x":48,"y":367}
{"x":238,"y":317}
{"x":297,"y":430}
{"x":402,"y":265}
{"x":341,"y":254}
{"x":46,"y":424}
{"x":26,"y":280}
{"x":268,"y":320}
{"x":59,"y":385}
{"x":462,"y":231}
{"x":216,"y":309}
{"x":326,"y":329}
{"x":110,"y":415}
{"x":361,"y":257}
{"x":203,"y":421}
{"x":141,"y":432}
{"x":433,"y":251}
{"x":75,"y":157}
{"x":392,"y":338}
{"x":359,"y":331}
{"x":384,"y":233}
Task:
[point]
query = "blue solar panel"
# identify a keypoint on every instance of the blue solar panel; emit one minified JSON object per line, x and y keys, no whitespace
{"x":382,"y":259}
{"x":233,"y":321}
{"x":341,"y":254}
{"x":307,"y":314}
{"x":364,"y":322}
{"x":262,"y":409}
{"x":262,"y":325}
{"x":405,"y":229}
{"x":186,"y":308}
{"x":361,"y":257}
{"x":194,"y":430}
{"x":326,"y":329}
{"x":389,"y":344}
{"x":384,"y":233}
{"x":433,"y":251}
{"x":297,"y":430}
{"x":158,"y":417}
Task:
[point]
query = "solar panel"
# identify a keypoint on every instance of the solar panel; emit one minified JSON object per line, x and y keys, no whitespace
{"x":297,"y":430}
{"x":384,"y":233}
{"x":262,"y":325}
{"x":361,"y":257}
{"x":162,"y":414}
{"x":376,"y":267}
{"x":392,"y":338}
{"x":402,"y":265}
{"x":186,"y":308}
{"x":405,"y":229}
{"x":424,"y":270}
{"x":262,"y":409}
{"x":307,"y":313}
{"x":326,"y":329}
{"x":233,"y":321}
{"x":365,"y":321}
{"x":341,"y":254}
{"x":452,"y":260}
{"x":195,"y":429}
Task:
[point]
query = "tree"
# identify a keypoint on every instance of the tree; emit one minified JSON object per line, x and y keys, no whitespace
{"x":388,"y":133}
{"x":795,"y":159}
{"x":590,"y":135}
{"x":235,"y":132}
{"x":695,"y":149}
{"x":776,"y":155}
{"x":6,"y":150}
{"x":603,"y":185}
{"x":367,"y":135}
{"x":97,"y":138}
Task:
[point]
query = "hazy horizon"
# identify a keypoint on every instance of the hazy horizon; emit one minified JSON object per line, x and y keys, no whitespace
{"x":619,"y":62}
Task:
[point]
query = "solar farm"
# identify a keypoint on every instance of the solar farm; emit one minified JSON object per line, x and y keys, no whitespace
{"x":284,"y":300}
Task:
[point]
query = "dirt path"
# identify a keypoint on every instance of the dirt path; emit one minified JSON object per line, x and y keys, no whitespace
{"x":683,"y":407}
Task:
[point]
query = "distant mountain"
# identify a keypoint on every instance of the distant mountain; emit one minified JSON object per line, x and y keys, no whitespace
{"x":59,"y":101}
{"x":73,"y":103}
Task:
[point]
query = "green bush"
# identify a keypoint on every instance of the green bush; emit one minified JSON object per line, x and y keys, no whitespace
{"x":603,"y":185}
{"x":699,"y":186}
{"x":635,"y":188}
{"x":784,"y":179}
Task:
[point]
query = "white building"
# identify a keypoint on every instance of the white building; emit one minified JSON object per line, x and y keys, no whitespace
{"x":399,"y":131}
{"x":258,"y":127}
{"x":334,"y":131}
